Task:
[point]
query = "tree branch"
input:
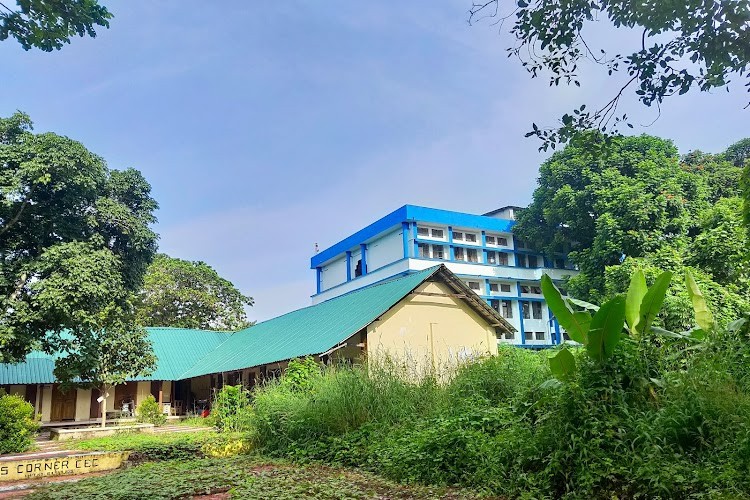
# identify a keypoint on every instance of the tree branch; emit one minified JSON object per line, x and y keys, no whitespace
{"x":15,"y":217}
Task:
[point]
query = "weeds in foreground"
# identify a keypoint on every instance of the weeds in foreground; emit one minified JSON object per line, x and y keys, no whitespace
{"x":240,"y":477}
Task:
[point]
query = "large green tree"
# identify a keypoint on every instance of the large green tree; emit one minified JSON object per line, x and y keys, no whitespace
{"x":185,"y":294}
{"x":683,"y":45}
{"x":75,"y":241}
{"x":639,"y":200}
{"x":49,"y":24}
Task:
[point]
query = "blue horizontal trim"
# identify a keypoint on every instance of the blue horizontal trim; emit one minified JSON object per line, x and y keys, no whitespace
{"x":412,"y":213}
{"x":458,"y":219}
{"x":512,"y":297}
{"x":394,"y":218}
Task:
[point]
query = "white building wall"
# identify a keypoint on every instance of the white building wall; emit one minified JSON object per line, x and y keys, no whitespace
{"x":334,"y":273}
{"x":393,"y":269}
{"x":385,"y":250}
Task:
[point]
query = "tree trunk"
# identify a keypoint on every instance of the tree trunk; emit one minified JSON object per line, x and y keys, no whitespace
{"x":104,"y":405}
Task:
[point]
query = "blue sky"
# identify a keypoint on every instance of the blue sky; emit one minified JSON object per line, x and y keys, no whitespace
{"x":265,"y":127}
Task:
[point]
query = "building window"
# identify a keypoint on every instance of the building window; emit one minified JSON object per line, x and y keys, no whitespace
{"x":423,"y":231}
{"x":565,"y":335}
{"x":533,"y":261}
{"x":528,"y":335}
{"x":458,"y":253}
{"x":526,"y":310}
{"x":458,"y":236}
{"x":505,"y":287}
{"x":520,"y":244}
{"x":489,"y":240}
{"x":539,"y":336}
{"x":521,"y":260}
{"x":491,"y":257}
{"x":502,"y":241}
{"x":537,"y":290}
{"x":494,"y":287}
{"x":472,"y":255}
{"x":437,"y":252}
{"x":474,"y":285}
{"x":507,"y":336}
{"x":437,"y":233}
{"x":536,"y":310}
{"x":560,"y":263}
{"x":424,"y":250}
{"x":495,"y":304}
{"x":471,"y":238}
{"x":427,"y":251}
{"x":358,"y":268}
{"x":507,"y":309}
{"x":525,"y":289}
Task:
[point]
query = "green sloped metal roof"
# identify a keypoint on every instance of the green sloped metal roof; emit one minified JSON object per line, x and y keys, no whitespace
{"x":36,"y":369}
{"x":176,"y":350}
{"x":308,"y":331}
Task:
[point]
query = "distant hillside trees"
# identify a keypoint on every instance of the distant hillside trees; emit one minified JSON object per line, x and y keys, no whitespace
{"x":185,"y":294}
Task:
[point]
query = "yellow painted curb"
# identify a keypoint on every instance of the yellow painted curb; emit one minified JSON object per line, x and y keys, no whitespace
{"x":18,"y":468}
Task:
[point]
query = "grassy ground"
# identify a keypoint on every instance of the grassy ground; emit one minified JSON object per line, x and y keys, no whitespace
{"x":238,"y":477}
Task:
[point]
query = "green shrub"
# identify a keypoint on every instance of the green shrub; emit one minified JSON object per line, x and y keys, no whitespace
{"x":300,"y":374}
{"x":231,"y":410}
{"x":149,"y":412}
{"x":18,"y":424}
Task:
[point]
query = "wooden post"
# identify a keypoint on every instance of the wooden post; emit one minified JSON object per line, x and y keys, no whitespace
{"x":161,"y":395}
{"x":38,"y":402}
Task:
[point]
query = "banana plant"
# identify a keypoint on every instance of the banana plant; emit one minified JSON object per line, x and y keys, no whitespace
{"x":600,"y":333}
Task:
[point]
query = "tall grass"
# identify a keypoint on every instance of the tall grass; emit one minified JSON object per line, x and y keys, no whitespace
{"x":652,"y":423}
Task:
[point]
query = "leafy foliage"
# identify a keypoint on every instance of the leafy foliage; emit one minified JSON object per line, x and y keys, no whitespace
{"x":683,"y":45}
{"x":48,"y":24}
{"x":231,"y":410}
{"x":638,"y":205}
{"x":300,"y":374}
{"x":186,"y":294}
{"x":149,"y":412}
{"x":241,"y":477}
{"x":75,"y":240}
{"x":18,"y":424}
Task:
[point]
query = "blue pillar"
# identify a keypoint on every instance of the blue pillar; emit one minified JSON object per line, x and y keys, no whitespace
{"x":348,"y":265}
{"x":414,"y":234}
{"x":487,"y":286}
{"x":520,"y":313}
{"x":318,"y":273}
{"x":405,"y":233}
{"x":451,"y":253}
{"x":363,"y":250}
{"x":558,"y":334}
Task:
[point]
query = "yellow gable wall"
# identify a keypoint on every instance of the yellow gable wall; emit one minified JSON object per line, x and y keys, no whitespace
{"x":424,"y":331}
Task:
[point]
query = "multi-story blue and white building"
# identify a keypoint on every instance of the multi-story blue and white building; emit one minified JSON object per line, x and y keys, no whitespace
{"x":480,"y":249}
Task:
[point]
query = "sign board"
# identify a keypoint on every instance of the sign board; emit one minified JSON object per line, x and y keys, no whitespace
{"x":18,"y":467}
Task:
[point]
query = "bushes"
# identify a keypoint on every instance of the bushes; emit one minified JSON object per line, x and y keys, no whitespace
{"x":231,"y":409}
{"x":149,"y":412}
{"x":653,"y":421}
{"x":18,"y":424}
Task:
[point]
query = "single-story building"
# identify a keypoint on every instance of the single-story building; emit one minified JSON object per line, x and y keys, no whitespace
{"x":426,"y":320}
